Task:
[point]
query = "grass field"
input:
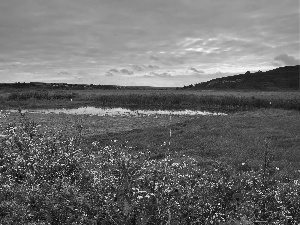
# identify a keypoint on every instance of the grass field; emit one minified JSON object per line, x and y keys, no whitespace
{"x":238,"y":168}
{"x":240,"y":136}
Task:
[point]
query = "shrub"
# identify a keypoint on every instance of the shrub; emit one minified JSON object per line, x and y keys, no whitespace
{"x":48,"y":177}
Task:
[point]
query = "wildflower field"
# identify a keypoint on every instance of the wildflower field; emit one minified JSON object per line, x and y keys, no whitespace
{"x":237,"y":169}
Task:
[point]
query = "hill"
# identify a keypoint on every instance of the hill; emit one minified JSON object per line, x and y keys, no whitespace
{"x":66,"y":86}
{"x":282,"y":78}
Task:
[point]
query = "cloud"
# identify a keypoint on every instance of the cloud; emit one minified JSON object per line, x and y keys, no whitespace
{"x":109,"y":74}
{"x":286,"y":60}
{"x":171,"y":60}
{"x":81,"y":73}
{"x":137,"y":68}
{"x":152,"y":66}
{"x":144,"y":67}
{"x":78,"y":77}
{"x":195,"y":70}
{"x":179,"y":60}
{"x":114,"y":70}
{"x":165,"y":74}
{"x":190,"y":42}
{"x":277,"y":64}
{"x":46,"y":36}
{"x":127,"y":72}
{"x":153,"y":57}
{"x":64,"y":73}
{"x":123,"y":71}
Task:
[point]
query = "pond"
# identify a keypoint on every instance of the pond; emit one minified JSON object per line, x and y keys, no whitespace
{"x":103,"y":120}
{"x":122,"y":112}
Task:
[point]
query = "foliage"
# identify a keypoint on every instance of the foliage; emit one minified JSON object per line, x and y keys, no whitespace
{"x":50,"y":177}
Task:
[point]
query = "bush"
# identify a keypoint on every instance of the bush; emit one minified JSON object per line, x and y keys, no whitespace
{"x":48,"y":177}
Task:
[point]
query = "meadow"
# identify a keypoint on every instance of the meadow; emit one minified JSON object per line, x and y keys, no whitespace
{"x":242,"y":168}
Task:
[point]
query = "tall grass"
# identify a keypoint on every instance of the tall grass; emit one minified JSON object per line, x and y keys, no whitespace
{"x":165,"y":100}
{"x":41,"y":95}
{"x":50,"y":177}
{"x":192,"y":101}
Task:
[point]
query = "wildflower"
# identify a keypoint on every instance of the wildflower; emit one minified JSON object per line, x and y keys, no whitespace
{"x":147,"y":196}
{"x":94,"y":143}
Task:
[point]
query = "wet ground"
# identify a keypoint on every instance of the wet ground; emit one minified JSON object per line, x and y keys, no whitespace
{"x":102,"y":120}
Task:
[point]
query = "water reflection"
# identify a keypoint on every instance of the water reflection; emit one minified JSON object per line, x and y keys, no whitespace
{"x":122,"y":112}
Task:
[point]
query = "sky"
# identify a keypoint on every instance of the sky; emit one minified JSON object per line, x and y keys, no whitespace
{"x":144,"y":42}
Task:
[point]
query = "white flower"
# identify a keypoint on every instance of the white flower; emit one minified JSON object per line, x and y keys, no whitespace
{"x":94,"y":143}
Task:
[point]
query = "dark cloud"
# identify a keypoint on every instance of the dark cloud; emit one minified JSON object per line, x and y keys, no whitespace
{"x":114,"y":71}
{"x":137,"y":68}
{"x":153,"y":57}
{"x":109,"y":74}
{"x":195,"y":70}
{"x":152,"y":66}
{"x":286,"y":60}
{"x":127,"y":72}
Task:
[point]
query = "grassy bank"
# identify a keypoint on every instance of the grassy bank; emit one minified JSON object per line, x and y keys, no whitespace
{"x":50,"y":176}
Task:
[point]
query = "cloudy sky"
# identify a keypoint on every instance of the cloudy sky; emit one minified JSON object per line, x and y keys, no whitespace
{"x":144,"y":42}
